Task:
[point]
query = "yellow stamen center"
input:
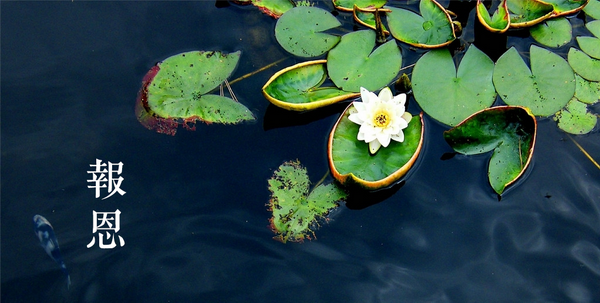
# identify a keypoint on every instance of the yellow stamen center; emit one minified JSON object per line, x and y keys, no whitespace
{"x":381,"y":119}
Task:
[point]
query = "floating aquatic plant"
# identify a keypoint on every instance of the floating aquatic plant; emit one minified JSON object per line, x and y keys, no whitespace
{"x":297,"y":211}
{"x":176,"y":91}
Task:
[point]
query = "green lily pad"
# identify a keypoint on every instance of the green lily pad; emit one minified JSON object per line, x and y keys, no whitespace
{"x":553,"y":32}
{"x":566,"y":7}
{"x":353,"y":63}
{"x":351,"y":163}
{"x":591,"y":45}
{"x":273,"y":8}
{"x":176,"y":90}
{"x":299,"y":88}
{"x":448,"y":95}
{"x":509,"y":131}
{"x":499,"y":22}
{"x":432,"y":29}
{"x":367,"y":19}
{"x":575,"y":119}
{"x":592,"y":9}
{"x":544,"y":89}
{"x":300,"y":31}
{"x":296,"y":211}
{"x":348,"y":5}
{"x":584,"y":65}
{"x":587,"y":91}
{"x":524,"y":13}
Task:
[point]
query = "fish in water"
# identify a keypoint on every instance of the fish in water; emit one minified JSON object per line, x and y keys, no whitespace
{"x":44,"y":231}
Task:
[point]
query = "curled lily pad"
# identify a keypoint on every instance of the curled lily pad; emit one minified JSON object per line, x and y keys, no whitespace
{"x":348,"y":5}
{"x":367,"y":18}
{"x":553,"y":32}
{"x":448,"y":95}
{"x":575,"y":118}
{"x":300,"y":31}
{"x":592,"y":9}
{"x":499,"y":22}
{"x":591,"y":45}
{"x":299,"y":88}
{"x":524,"y":13}
{"x":566,"y":7}
{"x":176,"y":91}
{"x":351,"y":163}
{"x":432,"y":29}
{"x":584,"y":65}
{"x":509,"y":131}
{"x":353,"y":63}
{"x":296,"y":211}
{"x":587,"y":91}
{"x":544,"y":89}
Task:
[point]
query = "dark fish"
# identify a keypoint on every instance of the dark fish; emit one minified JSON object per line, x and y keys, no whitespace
{"x":44,"y":231}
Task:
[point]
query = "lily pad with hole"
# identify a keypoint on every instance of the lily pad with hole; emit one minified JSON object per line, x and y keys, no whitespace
{"x":348,"y":5}
{"x":575,"y":118}
{"x":352,"y":164}
{"x":524,"y":13}
{"x":545,"y":88}
{"x":450,"y":95}
{"x":432,"y":29}
{"x":300,"y":31}
{"x":298,"y":87}
{"x":354,"y":63}
{"x":591,"y":45}
{"x":296,"y":210}
{"x":508,"y":131}
{"x":176,"y":91}
{"x":554,"y":32}
{"x":499,"y":22}
{"x":587,"y":91}
{"x":584,"y":65}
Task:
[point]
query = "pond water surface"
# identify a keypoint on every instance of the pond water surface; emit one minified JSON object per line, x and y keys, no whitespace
{"x":194,"y":219}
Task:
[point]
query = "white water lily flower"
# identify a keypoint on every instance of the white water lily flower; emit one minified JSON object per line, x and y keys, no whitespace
{"x":381,"y":118}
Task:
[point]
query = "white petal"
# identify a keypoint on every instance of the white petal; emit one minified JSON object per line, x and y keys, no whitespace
{"x":384,"y":139}
{"x":407,"y":116}
{"x":359,"y":106}
{"x":398,"y":137}
{"x":400,"y":100}
{"x":385,"y":95}
{"x":368,"y":131}
{"x":367,"y":96}
{"x":356,"y":119}
{"x":374,"y":146}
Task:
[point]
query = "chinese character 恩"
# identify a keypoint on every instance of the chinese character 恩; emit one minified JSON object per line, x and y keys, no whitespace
{"x":104,"y":177}
{"x":109,"y":223}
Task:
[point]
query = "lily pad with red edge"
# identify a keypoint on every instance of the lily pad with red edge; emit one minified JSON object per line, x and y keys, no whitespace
{"x":300,"y":31}
{"x":274,"y":8}
{"x":450,"y":95}
{"x":296,"y":210}
{"x":352,"y":164}
{"x":524,"y":13}
{"x":348,"y":5}
{"x":575,"y":118}
{"x":432,"y":29}
{"x":298,"y":87}
{"x":175,"y":92}
{"x":566,"y":7}
{"x":356,"y":63}
{"x":499,"y":22}
{"x":584,"y":65}
{"x":508,"y":131}
{"x":367,"y":18}
{"x":545,"y":88}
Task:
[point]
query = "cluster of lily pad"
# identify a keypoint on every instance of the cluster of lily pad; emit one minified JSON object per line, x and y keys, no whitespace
{"x":373,"y":146}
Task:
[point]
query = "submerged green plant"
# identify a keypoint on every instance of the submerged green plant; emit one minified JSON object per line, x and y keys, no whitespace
{"x":296,"y":210}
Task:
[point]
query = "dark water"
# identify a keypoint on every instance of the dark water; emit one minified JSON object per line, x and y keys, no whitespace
{"x":194,"y":218}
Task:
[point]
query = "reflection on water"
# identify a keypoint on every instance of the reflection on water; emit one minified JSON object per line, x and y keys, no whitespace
{"x":194,"y":216}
